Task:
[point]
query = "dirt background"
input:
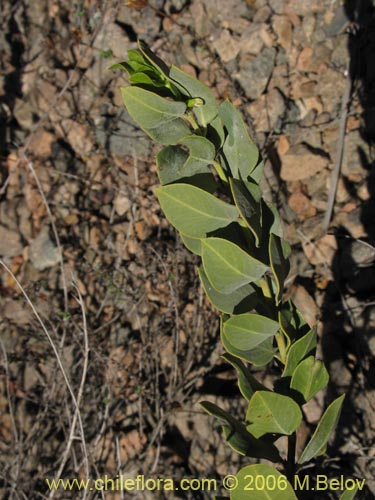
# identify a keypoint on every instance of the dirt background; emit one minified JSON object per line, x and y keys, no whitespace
{"x":96,"y":284}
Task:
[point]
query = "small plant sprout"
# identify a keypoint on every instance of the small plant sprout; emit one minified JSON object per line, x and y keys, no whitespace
{"x":209,"y":171}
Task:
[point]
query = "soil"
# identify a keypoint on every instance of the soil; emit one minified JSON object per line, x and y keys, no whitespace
{"x":107,"y":342}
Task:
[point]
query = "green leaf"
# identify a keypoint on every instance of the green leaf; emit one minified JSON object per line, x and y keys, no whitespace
{"x":242,"y":299}
{"x":191,"y":87}
{"x":247,"y":383}
{"x":150,"y":110}
{"x":257,"y":173}
{"x":215,"y":132}
{"x":279,"y":251}
{"x":298,"y":351}
{"x":292,"y":322}
{"x":238,"y":437}
{"x":309,"y":377}
{"x":201,"y":152}
{"x":174,"y":163}
{"x":193,"y":211}
{"x":259,"y":356}
{"x":192,"y":244}
{"x":247,"y":198}
{"x":240,"y":152}
{"x":170,"y":132}
{"x":272,"y":413}
{"x":227,"y":266}
{"x":262,"y":482}
{"x":349,"y":494}
{"x":323,"y":431}
{"x":247,"y":331}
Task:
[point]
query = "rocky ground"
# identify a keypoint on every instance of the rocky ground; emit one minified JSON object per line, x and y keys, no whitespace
{"x":95,"y":283}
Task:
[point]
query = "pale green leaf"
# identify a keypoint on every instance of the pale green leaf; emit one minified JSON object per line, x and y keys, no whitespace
{"x":192,"y":244}
{"x":192,"y":88}
{"x":259,"y":356}
{"x":262,"y":482}
{"x":193,"y":211}
{"x":309,"y":377}
{"x":227,"y":266}
{"x":149,"y":110}
{"x":239,"y":150}
{"x":175,"y":163}
{"x":247,"y":331}
{"x":323,"y":431}
{"x":247,"y":199}
{"x":278,"y":252}
{"x":242,"y":299}
{"x":272,"y":413}
{"x":298,"y":351}
{"x":169,"y":132}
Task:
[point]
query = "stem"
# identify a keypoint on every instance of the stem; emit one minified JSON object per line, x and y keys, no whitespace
{"x":190,"y":118}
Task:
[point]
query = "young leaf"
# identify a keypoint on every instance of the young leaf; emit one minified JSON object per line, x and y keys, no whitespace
{"x":227,"y":266}
{"x":240,"y":152}
{"x":272,"y":413}
{"x":244,"y":298}
{"x":150,"y":110}
{"x":298,"y":351}
{"x":247,"y":331}
{"x":250,"y":487}
{"x":247,"y":383}
{"x":323,"y":431}
{"x":309,"y":377}
{"x":238,"y":437}
{"x":247,"y":199}
{"x":191,"y":87}
{"x":279,"y":251}
{"x":193,"y":211}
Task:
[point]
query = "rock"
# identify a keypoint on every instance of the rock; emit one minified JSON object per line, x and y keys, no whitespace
{"x":278,"y":6}
{"x":303,"y":87}
{"x":41,"y":143}
{"x":331,"y":88}
{"x":42,"y":252}
{"x":356,"y":151}
{"x":276,"y":109}
{"x":283,"y":29}
{"x":226,"y":46}
{"x":300,"y":163}
{"x":340,"y":54}
{"x":254,"y":76}
{"x":259,"y":115}
{"x":321,"y":251}
{"x":122,"y":204}
{"x":252,"y":41}
{"x":10,"y":243}
{"x":305,"y":7}
{"x":308,"y":26}
{"x":301,"y":204}
{"x":352,"y":222}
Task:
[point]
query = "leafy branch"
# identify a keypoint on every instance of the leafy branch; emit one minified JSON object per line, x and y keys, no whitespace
{"x":209,"y":170}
